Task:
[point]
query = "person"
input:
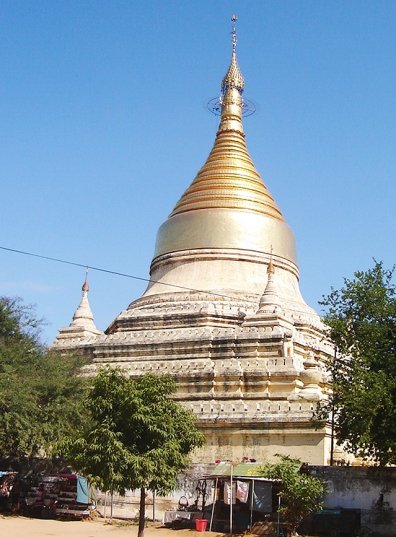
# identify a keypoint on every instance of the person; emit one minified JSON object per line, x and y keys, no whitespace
{"x":4,"y":493}
{"x":40,"y":494}
{"x":16,"y":496}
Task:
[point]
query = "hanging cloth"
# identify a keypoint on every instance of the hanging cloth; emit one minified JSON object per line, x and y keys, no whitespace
{"x":242,"y":491}
{"x":227,"y":493}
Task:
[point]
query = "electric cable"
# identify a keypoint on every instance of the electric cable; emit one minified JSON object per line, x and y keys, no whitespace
{"x":125,"y":275}
{"x":140,"y":278}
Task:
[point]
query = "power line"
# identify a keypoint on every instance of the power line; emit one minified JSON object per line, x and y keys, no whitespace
{"x":139,"y":278}
{"x":115,"y":273}
{"x":125,"y":275}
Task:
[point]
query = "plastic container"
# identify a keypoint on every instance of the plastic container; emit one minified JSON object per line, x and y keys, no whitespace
{"x":200,"y":524}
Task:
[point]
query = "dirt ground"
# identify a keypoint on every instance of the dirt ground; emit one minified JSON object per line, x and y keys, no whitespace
{"x":12,"y":526}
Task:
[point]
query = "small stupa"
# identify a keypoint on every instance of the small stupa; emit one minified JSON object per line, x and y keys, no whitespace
{"x":82,"y":325}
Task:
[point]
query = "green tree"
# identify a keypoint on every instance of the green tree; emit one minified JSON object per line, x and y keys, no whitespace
{"x":362,"y":320}
{"x":40,"y":392}
{"x":300,"y":494}
{"x":137,"y":436}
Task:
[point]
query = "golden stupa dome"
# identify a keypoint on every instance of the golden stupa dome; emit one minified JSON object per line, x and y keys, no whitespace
{"x":227,"y":205}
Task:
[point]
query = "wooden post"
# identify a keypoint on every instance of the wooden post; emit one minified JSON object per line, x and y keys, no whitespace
{"x":213,"y":504}
{"x":279,"y":504}
{"x":105,"y":505}
{"x":231,"y":499}
{"x":251,"y":505}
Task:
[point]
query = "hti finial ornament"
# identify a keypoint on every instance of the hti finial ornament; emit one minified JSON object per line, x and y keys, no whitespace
{"x":85,"y":287}
{"x":234,"y":36}
{"x":232,"y":80}
{"x":270,"y":268}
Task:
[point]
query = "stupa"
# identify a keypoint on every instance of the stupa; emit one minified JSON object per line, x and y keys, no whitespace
{"x":82,"y":326}
{"x":223,"y":313}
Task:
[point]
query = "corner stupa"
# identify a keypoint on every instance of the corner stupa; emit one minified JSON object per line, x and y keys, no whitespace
{"x":223,"y":312}
{"x":82,"y":326}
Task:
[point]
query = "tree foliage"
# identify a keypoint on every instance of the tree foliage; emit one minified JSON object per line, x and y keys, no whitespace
{"x":300,"y":494}
{"x":362,"y":319}
{"x":40,"y":392}
{"x":137,"y":436}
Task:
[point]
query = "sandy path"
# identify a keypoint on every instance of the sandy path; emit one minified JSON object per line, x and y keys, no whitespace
{"x":34,"y":527}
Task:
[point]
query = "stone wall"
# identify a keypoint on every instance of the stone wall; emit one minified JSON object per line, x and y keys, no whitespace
{"x":370,"y":489}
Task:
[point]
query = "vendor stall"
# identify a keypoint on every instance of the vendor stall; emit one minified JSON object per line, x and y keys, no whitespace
{"x":237,"y":497}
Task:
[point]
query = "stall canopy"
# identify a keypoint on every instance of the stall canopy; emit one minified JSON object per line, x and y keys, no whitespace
{"x":240,"y":497}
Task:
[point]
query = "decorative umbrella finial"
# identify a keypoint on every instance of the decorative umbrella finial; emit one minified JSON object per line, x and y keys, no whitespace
{"x":85,"y":287}
{"x":234,"y":19}
{"x":233,"y":77}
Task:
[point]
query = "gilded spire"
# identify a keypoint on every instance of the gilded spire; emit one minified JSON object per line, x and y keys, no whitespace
{"x":233,"y":78}
{"x":229,"y":179}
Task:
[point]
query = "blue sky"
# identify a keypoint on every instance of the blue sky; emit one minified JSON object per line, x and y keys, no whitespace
{"x":104,"y":124}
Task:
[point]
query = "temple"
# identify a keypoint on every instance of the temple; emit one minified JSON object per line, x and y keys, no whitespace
{"x":223,"y":313}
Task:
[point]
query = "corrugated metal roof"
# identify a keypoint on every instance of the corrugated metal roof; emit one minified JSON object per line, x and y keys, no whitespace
{"x":242,"y":469}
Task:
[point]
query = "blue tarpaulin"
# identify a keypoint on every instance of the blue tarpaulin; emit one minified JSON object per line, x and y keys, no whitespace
{"x":82,"y":490}
{"x":262,"y":497}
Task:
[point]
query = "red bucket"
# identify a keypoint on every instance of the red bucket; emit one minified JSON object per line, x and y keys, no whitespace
{"x":200,"y":524}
